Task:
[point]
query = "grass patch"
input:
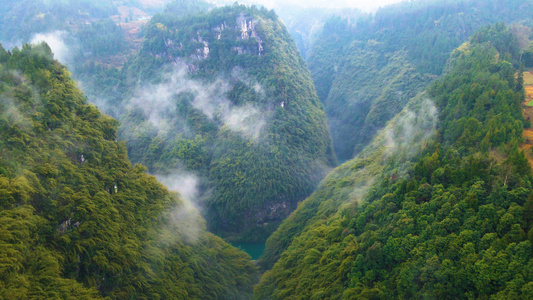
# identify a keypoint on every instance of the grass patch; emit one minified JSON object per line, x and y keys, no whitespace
{"x":528,"y":78}
{"x":530,"y":103}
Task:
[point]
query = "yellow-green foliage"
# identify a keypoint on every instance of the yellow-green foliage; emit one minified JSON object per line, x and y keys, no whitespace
{"x":347,"y":185}
{"x":528,"y":78}
{"x":453,"y":221}
{"x":79,"y":221}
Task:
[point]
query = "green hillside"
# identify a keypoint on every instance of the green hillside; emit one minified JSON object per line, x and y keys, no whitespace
{"x":20,"y":20}
{"x":77,"y":219}
{"x":422,"y":213}
{"x":423,"y":102}
{"x":366,"y":69}
{"x":80,"y":32}
{"x":226,"y":96}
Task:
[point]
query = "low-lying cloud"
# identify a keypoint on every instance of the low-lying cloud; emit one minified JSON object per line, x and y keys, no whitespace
{"x":414,"y":126}
{"x":403,"y":137}
{"x":158,"y":103}
{"x":185,"y":222}
{"x":9,"y":107}
{"x":56,"y":41}
{"x":9,"y":111}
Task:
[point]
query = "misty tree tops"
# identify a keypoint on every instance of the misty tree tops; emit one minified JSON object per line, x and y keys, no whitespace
{"x":453,"y":221}
{"x":226,"y":96}
{"x":396,"y":52}
{"x":77,"y":220}
{"x":424,"y":101}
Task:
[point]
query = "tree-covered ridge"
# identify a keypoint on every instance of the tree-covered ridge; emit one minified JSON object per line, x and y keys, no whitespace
{"x":225,"y":95}
{"x":19,"y":20}
{"x":431,"y":30}
{"x":385,"y":82}
{"x":83,"y":33}
{"x":78,"y":221}
{"x":395,"y":145}
{"x":455,"y":223}
{"x":419,"y":35}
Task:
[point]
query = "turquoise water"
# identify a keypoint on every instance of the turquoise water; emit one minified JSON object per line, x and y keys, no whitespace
{"x":255,"y":250}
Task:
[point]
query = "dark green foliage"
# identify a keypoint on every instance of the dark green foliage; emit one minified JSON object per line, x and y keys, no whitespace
{"x":326,"y":53}
{"x":19,"y":20}
{"x":251,"y":179}
{"x":382,"y":86}
{"x":527,"y":57}
{"x":430,"y":30}
{"x":77,"y":220}
{"x":100,"y":39}
{"x":393,"y":55}
{"x":305,"y":23}
{"x":452,"y":223}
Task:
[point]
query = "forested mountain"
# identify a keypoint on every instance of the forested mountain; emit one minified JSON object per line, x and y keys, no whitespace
{"x":424,"y":100}
{"x":435,"y":207}
{"x":366,"y":69}
{"x":77,"y":219}
{"x":80,"y":31}
{"x":226,"y":96}
{"x":239,"y":109}
{"x":20,"y":20}
{"x":305,"y":23}
{"x":304,"y":20}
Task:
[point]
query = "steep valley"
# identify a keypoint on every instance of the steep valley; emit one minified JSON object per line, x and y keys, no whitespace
{"x":366,"y":70}
{"x":436,"y":223}
{"x":223,"y":96}
{"x":155,"y":149}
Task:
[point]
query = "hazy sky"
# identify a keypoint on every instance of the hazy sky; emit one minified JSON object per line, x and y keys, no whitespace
{"x":366,"y":5}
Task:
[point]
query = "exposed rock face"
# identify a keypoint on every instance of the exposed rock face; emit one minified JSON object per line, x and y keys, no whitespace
{"x":248,"y":29}
{"x":243,"y":116}
{"x":245,"y":28}
{"x":66,"y":226}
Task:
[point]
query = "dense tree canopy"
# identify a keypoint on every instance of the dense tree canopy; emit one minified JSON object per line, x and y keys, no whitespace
{"x":77,"y":220}
{"x":240,"y":112}
{"x":437,"y":202}
{"x":19,"y":20}
{"x":366,"y":69}
{"x":454,"y":221}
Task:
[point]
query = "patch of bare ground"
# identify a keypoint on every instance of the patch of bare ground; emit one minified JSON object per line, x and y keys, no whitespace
{"x":528,"y":115}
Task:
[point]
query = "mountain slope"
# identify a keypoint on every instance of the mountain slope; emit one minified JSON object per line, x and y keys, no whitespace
{"x":226,"y":96}
{"x":366,"y":70}
{"x":77,"y":219}
{"x":451,"y":220}
{"x":19,"y":20}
